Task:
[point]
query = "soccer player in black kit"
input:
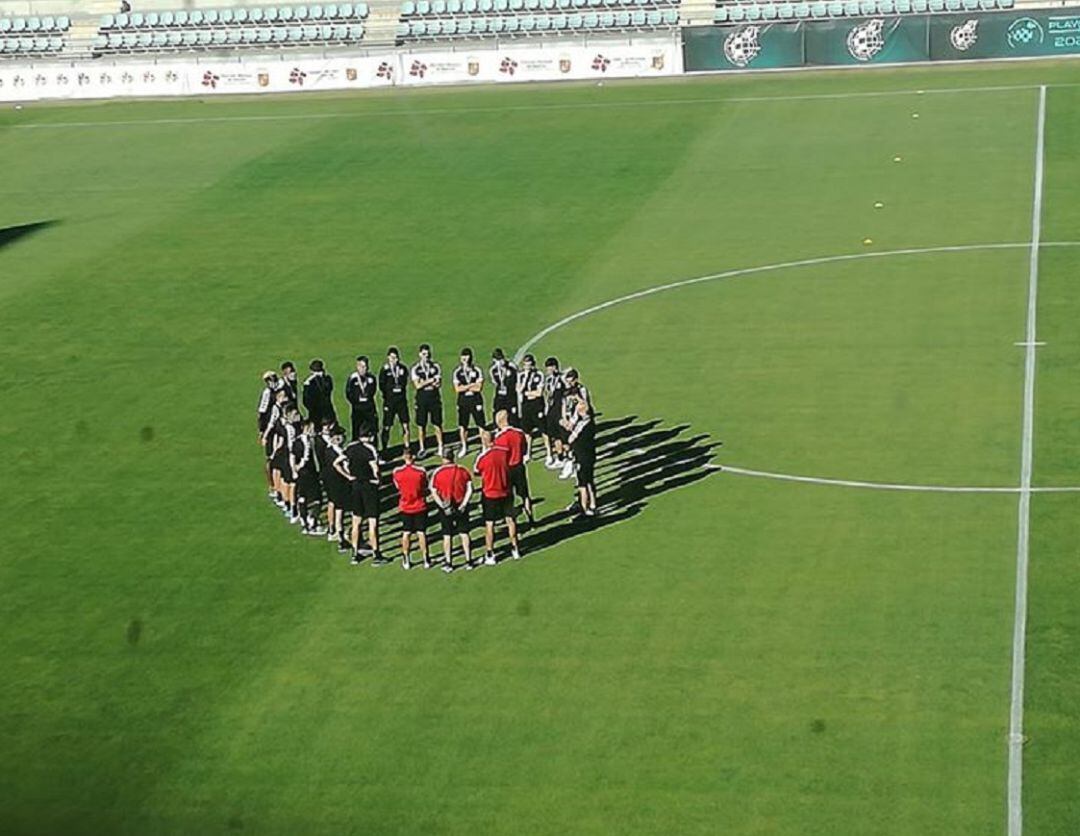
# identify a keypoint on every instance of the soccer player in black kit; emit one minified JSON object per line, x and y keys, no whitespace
{"x":530,"y":390}
{"x":318,"y":393}
{"x":469,"y":385}
{"x":426,"y":376}
{"x":359,"y":465}
{"x":504,"y":376}
{"x":360,"y":393}
{"x":307,"y":487}
{"x":288,"y":381}
{"x":393,"y":382}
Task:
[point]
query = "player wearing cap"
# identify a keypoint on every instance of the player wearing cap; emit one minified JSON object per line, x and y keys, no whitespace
{"x":582,"y":440}
{"x":359,"y":464}
{"x":530,"y":393}
{"x":504,"y":376}
{"x":516,"y":444}
{"x":469,"y":385}
{"x":393,"y":381}
{"x":318,"y":393}
{"x":411,"y":481}
{"x":493,"y":468}
{"x":360,"y":393}
{"x":426,"y":376}
{"x":451,"y":490}
{"x":308,"y":489}
{"x":554,"y":386}
{"x":338,"y":491}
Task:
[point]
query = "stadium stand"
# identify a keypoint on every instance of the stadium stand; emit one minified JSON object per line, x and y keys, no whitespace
{"x":22,"y":37}
{"x":728,"y":12}
{"x":234,"y":28}
{"x":451,"y":19}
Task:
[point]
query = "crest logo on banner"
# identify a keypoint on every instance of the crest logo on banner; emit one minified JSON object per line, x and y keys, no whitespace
{"x":351,"y":74}
{"x":866,"y":40}
{"x":472,"y":66}
{"x":658,"y":61}
{"x":564,"y":64}
{"x":1024,"y":31}
{"x":264,"y":79}
{"x":964,"y":36}
{"x":742,"y":46}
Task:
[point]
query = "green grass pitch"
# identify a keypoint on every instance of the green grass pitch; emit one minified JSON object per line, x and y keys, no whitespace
{"x":739,"y":655}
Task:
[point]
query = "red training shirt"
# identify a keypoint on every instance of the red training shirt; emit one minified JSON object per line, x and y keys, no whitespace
{"x":494,"y":469}
{"x":450,"y":482}
{"x":516,"y":442}
{"x":411,"y":482}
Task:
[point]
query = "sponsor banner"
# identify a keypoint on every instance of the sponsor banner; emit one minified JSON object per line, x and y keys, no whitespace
{"x":876,"y":40}
{"x":751,"y":46}
{"x":651,"y":57}
{"x":521,"y":63}
{"x":1009,"y":35}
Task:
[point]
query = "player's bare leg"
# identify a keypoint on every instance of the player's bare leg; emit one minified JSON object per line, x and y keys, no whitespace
{"x":511,"y":528}
{"x":448,"y":553}
{"x":466,"y":547}
{"x":489,"y":543}
{"x":421,"y":537}
{"x":373,"y":537}
{"x":463,"y":434}
{"x":439,"y":439}
{"x":406,"y":545}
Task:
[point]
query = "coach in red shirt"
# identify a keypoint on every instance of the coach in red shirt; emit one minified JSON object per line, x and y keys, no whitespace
{"x":411,"y":482}
{"x":516,"y":443}
{"x":451,"y":490}
{"x":493,"y":468}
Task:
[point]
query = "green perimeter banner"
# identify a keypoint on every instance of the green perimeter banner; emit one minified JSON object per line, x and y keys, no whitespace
{"x":757,"y":45}
{"x":881,"y":40}
{"x":875,"y":40}
{"x":1013,"y":35}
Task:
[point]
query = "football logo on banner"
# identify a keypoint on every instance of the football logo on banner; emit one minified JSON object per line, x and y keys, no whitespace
{"x":866,"y":40}
{"x":1024,"y":31}
{"x":964,"y":36}
{"x":742,"y":46}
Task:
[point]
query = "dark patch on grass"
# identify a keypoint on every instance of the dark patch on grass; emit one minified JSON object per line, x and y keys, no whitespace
{"x":147,"y":433}
{"x":817,"y":725}
{"x":134,"y":631}
{"x":235,"y":823}
{"x":81,"y":426}
{"x":524,"y":607}
{"x":11,"y":234}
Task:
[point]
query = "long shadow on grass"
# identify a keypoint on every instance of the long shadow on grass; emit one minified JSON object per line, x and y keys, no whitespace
{"x":11,"y":234}
{"x":637,"y":460}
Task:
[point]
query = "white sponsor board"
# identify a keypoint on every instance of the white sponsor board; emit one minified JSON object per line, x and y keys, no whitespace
{"x":174,"y":77}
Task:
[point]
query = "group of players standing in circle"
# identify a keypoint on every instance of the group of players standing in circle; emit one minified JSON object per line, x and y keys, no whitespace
{"x":310,"y":466}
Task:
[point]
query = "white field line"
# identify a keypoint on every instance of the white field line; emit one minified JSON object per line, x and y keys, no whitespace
{"x":449,"y":111}
{"x":1023,"y":527}
{"x":765,"y":268}
{"x":891,"y":486}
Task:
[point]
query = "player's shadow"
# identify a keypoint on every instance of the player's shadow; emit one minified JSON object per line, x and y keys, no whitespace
{"x":636,"y":461}
{"x":11,"y":234}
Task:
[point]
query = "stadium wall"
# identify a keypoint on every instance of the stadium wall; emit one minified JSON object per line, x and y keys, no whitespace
{"x":882,"y":40}
{"x":174,"y":75}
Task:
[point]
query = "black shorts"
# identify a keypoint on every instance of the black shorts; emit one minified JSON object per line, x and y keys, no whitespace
{"x":307,"y":486}
{"x":497,"y":509}
{"x":507,"y":402}
{"x":280,"y":461}
{"x":586,"y":466}
{"x":519,"y":481}
{"x":471,"y":409}
{"x":287,"y":475}
{"x":398,"y":409}
{"x":365,"y":499}
{"x":454,"y":521}
{"x":429,"y":411}
{"x":554,"y":428}
{"x":337,"y":489}
{"x":532,"y":416}
{"x":414,"y":522}
{"x":365,"y":421}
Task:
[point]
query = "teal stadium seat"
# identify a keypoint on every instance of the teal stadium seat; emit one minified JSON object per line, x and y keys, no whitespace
{"x":210,"y":17}
{"x":255,"y":15}
{"x":221,"y":37}
{"x":785,"y":11}
{"x":326,"y":32}
{"x":249,"y":35}
{"x":300,"y":12}
{"x":206,"y":37}
{"x":517,"y":5}
{"x":176,"y":39}
{"x":48,"y":24}
{"x":607,"y":20}
{"x":449,"y":27}
{"x":122,"y":22}
{"x":159,"y":39}
{"x":468,"y":7}
{"x":195,"y":17}
{"x":769,"y":11}
{"x":465,"y":26}
{"x":802,"y":11}
{"x":543,"y":23}
{"x":233,"y":37}
{"x":311,"y":32}
{"x":5,"y":24}
{"x":590,"y":20}
{"x":836,"y":9}
{"x":867,"y":8}
{"x":903,"y":7}
{"x":345,"y":10}
{"x":887,"y":7}
{"x":528,"y":23}
{"x":971,"y":5}
{"x":622,"y":19}
{"x":511,"y":24}
{"x":277,"y":35}
{"x":438,"y":7}
{"x":453,"y":7}
{"x":226,"y":17}
{"x":315,"y":13}
{"x":753,"y":12}
{"x":63,"y":23}
{"x":131,"y":40}
{"x":573,"y":21}
{"x":100,"y":42}
{"x":417,"y":28}
{"x":361,"y":11}
{"x":284,"y":14}
{"x":559,"y":22}
{"x":331,"y":11}
{"x":851,"y":8}
{"x":501,"y":5}
{"x":408,"y":8}
{"x":1006,"y":4}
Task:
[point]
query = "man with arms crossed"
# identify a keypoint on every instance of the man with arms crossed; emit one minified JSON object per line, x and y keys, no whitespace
{"x":411,"y":481}
{"x":516,"y":444}
{"x":360,"y":393}
{"x":504,"y":376}
{"x":530,"y":387}
{"x":426,"y":376}
{"x":493,"y":468}
{"x":451,"y":490}
{"x":469,"y":385}
{"x":393,"y":380}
